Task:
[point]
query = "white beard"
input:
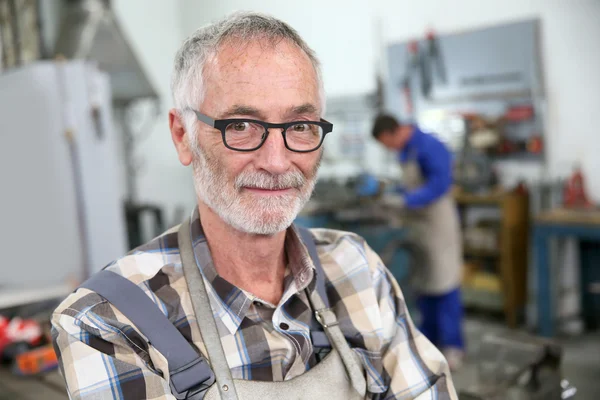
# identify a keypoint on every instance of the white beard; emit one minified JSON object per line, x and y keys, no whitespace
{"x":245,"y":211}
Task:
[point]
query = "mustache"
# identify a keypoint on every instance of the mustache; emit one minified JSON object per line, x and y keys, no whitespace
{"x":265,"y":180}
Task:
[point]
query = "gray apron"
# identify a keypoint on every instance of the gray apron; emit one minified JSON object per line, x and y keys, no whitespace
{"x":435,"y":236}
{"x":339,"y":375}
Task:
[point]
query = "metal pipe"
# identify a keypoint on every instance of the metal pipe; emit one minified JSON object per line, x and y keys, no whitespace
{"x":39,"y":21}
{"x":12,"y":5}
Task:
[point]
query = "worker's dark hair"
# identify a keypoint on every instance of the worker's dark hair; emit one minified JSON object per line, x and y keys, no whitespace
{"x":384,"y":123}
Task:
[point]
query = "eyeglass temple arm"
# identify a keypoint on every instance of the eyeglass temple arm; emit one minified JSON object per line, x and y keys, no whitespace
{"x":329,"y":128}
{"x":204,"y":118}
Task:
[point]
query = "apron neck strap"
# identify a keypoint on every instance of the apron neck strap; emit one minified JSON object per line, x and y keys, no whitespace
{"x":309,"y":242}
{"x":201,"y":305}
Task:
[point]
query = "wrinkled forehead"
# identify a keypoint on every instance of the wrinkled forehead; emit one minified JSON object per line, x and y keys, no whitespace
{"x":260,"y":73}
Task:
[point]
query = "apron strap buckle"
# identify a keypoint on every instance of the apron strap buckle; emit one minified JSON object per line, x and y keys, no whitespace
{"x":191,"y":381}
{"x":326,"y":318}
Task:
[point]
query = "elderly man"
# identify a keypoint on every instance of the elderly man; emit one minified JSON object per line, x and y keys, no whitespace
{"x":265,"y":309}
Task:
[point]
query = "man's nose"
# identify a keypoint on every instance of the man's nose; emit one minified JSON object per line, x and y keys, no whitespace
{"x":273,"y":156}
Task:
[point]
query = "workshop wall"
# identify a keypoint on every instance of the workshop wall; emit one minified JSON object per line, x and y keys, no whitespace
{"x":340,"y":31}
{"x":349,"y":36}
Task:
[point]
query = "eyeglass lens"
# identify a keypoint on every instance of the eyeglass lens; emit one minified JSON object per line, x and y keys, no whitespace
{"x":244,"y":135}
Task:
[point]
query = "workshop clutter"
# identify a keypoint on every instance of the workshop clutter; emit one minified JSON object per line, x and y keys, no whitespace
{"x":478,"y":276}
{"x":511,"y":133}
{"x":483,"y":236}
{"x":575,"y":195}
{"x":35,"y":361}
{"x":16,"y":331}
{"x":25,"y":347}
{"x":518,"y":366}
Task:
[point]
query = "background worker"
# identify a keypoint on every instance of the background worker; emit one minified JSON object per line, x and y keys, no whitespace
{"x":431,"y":214}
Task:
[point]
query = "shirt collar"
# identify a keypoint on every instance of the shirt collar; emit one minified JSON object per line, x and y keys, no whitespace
{"x":229,"y":303}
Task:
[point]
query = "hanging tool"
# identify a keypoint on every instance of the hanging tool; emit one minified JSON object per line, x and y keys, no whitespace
{"x":435,"y":52}
{"x":430,"y":59}
{"x":427,"y":63}
{"x":411,"y":64}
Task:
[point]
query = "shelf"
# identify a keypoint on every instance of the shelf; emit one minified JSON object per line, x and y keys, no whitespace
{"x":478,"y":97}
{"x":505,"y":288}
{"x":482,"y":299}
{"x":493,"y":197}
{"x":518,"y":156}
{"x":569,"y":217}
{"x":481,"y":253}
{"x":483,"y":281}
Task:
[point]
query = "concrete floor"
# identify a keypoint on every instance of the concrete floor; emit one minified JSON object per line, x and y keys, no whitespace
{"x":581,"y":366}
{"x":580,"y":363}
{"x":50,"y":386}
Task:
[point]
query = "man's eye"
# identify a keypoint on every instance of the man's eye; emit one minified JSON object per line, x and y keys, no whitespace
{"x":240,"y":126}
{"x":300,"y":128}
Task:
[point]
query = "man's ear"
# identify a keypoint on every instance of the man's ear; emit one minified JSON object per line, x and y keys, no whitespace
{"x":180,"y":137}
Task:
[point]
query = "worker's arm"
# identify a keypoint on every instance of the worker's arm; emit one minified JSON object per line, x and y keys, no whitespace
{"x":100,"y":355}
{"x":411,"y":366}
{"x":436,"y":165}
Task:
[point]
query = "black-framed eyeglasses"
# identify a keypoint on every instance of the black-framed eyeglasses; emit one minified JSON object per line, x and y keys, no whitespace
{"x":243,"y":134}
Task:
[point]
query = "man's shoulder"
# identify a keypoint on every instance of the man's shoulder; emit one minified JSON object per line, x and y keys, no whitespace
{"x":430,"y":141}
{"x":146,"y":261}
{"x":346,"y":251}
{"x":328,"y":237}
{"x":151,"y":266}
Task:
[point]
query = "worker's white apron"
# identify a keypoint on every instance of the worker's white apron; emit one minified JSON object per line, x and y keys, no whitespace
{"x":435,"y":236}
{"x":339,"y":376}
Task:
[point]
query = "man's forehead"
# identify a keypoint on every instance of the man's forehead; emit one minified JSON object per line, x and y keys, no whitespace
{"x":281,"y":59}
{"x":259,"y":72}
{"x":238,"y":50}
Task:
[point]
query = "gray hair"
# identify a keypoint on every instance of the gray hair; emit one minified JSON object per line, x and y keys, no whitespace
{"x":187,"y":85}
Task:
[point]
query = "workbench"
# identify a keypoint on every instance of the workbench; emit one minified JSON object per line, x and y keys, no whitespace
{"x":558,"y":223}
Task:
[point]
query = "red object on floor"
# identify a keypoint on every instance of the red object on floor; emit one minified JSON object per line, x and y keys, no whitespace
{"x":574,"y":194}
{"x":35,"y":361}
{"x":19,"y":330}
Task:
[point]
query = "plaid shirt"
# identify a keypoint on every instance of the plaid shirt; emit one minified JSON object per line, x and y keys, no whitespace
{"x":103,"y":356}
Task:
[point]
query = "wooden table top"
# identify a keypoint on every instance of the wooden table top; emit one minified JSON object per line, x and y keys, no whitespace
{"x":570,"y":217}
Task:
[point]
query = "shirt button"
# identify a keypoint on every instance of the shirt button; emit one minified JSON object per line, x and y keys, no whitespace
{"x":284,"y":326}
{"x":257,"y":303}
